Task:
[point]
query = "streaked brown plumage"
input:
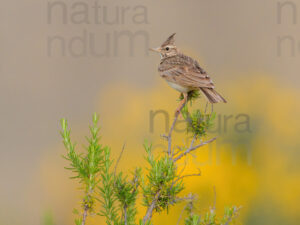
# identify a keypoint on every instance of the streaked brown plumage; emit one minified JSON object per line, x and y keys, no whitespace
{"x":184,"y":73}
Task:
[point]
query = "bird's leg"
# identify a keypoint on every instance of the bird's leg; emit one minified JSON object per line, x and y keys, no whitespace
{"x":183,"y":101}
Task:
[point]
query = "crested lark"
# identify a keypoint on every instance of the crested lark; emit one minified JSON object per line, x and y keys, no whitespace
{"x":184,"y":73}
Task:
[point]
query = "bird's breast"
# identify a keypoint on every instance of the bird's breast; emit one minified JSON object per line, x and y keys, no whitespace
{"x":178,"y":87}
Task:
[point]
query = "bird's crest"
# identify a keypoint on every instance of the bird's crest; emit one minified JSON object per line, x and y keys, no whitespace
{"x":169,"y":41}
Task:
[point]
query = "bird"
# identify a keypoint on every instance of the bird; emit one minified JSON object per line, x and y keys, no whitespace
{"x":184,"y":73}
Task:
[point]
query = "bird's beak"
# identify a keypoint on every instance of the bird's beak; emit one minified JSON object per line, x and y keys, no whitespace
{"x":155,"y":49}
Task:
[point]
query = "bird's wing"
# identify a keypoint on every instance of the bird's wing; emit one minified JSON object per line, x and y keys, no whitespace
{"x":184,"y":71}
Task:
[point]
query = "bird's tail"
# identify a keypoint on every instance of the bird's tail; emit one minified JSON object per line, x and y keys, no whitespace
{"x":212,"y":95}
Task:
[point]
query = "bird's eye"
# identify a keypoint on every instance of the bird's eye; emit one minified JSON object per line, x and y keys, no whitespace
{"x":167,"y":48}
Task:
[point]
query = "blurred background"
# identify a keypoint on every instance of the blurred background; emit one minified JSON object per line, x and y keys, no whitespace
{"x":63,"y":58}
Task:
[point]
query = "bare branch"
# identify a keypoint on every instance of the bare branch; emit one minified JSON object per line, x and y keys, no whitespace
{"x":150,"y":209}
{"x":183,"y":168}
{"x":164,"y":136}
{"x":189,"y":197}
{"x":179,"y":149}
{"x":125,"y":214}
{"x":194,"y":148}
{"x":85,"y":213}
{"x":172,"y":128}
{"x":188,"y":175}
{"x":120,"y":156}
{"x":175,"y":156}
{"x":135,"y":183}
{"x":193,"y":140}
{"x":180,"y":216}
